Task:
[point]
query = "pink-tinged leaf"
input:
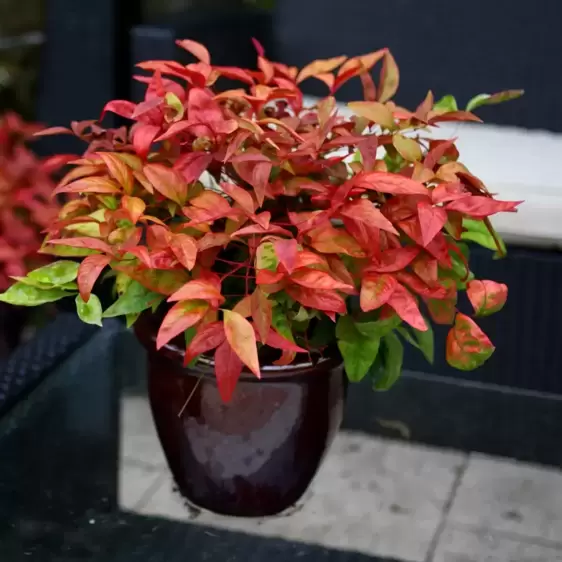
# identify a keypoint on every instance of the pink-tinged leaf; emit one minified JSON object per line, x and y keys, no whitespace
{"x":180,"y":317}
{"x":234,"y":73}
{"x":267,"y":68}
{"x":364,"y":211}
{"x":327,"y":301}
{"x":426,"y":268}
{"x":241,"y":196}
{"x":134,"y":206}
{"x":320,"y":67}
{"x":417,"y":285}
{"x":257,"y":229}
{"x":93,"y":184}
{"x":315,"y":279}
{"x":479,"y":207}
{"x":196,"y":49}
{"x":212,"y":240}
{"x":373,"y":111}
{"x":199,"y":289}
{"x":368,"y":148}
{"x":175,"y":129}
{"x":486,"y":297}
{"x":119,"y":107}
{"x":306,"y":258}
{"x":88,"y":272}
{"x":277,"y":341}
{"x":393,"y":260}
{"x":406,"y":306}
{"x":331,"y":240}
{"x":192,"y":165}
{"x":242,"y":338}
{"x":185,"y":249}
{"x":442,"y":311}
{"x":389,"y":78}
{"x":143,"y":137}
{"x":376,"y":290}
{"x":286,"y":251}
{"x":258,"y":47}
{"x":369,"y":88}
{"x":262,"y":311}
{"x":468,"y":347}
{"x":54,"y":163}
{"x":228,"y":367}
{"x":244,"y":306}
{"x":445,"y":192}
{"x":88,"y":243}
{"x":208,"y":336}
{"x":453,"y":116}
{"x":167,"y":182}
{"x":432,"y":220}
{"x":53,"y":131}
{"x":435,"y":154}
{"x":267,"y":277}
{"x":256,"y":173}
{"x":386,"y":182}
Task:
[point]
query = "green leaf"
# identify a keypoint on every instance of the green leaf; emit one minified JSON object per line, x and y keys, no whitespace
{"x":57,"y":273}
{"x":20,"y":294}
{"x":358,"y":351}
{"x":477,"y":231}
{"x":65,"y":251}
{"x":109,"y":201}
{"x":390,"y":367}
{"x":266,"y":258}
{"x":378,"y":328}
{"x":32,"y":282}
{"x":89,"y":312}
{"x":493,"y":99}
{"x":134,"y":300}
{"x":446,"y":104}
{"x":132,"y":318}
{"x":424,"y":341}
{"x":281,"y":323}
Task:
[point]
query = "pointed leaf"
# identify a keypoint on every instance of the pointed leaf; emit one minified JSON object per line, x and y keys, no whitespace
{"x":200,"y":289}
{"x":406,"y":306}
{"x":286,"y":252}
{"x":89,"y":271}
{"x":118,"y":170}
{"x":167,"y":182}
{"x":315,"y":279}
{"x":21,"y":294}
{"x":408,"y":148}
{"x":326,"y":301}
{"x":207,"y":337}
{"x":192,"y":164}
{"x":386,"y":182}
{"x":89,"y":312}
{"x":389,"y":78}
{"x":486,"y":297}
{"x":468,"y":347}
{"x":432,"y":220}
{"x":198,"y":50}
{"x":487,"y":99}
{"x":392,"y":357}
{"x":185,"y":249}
{"x":364,"y":211}
{"x":57,"y":273}
{"x":134,"y":299}
{"x":228,"y":367}
{"x":180,"y":317}
{"x":143,"y":137}
{"x":242,"y":338}
{"x":261,"y":308}
{"x":373,"y":111}
{"x":479,"y":207}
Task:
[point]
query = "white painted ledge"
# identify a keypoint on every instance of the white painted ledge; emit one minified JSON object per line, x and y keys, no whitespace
{"x":515,"y":164}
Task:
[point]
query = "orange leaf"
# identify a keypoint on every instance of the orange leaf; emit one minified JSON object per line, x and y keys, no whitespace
{"x":167,"y":182}
{"x":184,"y":248}
{"x":373,"y":111}
{"x":200,"y":289}
{"x":135,"y":207}
{"x":118,"y":170}
{"x":315,"y":279}
{"x":196,"y":49}
{"x":389,"y":78}
{"x":321,"y":66}
{"x":88,"y":272}
{"x":242,"y":338}
{"x":376,"y":290}
{"x":262,"y":311}
{"x":180,"y":317}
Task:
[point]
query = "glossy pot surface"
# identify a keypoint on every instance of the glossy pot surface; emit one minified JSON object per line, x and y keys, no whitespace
{"x":256,"y":455}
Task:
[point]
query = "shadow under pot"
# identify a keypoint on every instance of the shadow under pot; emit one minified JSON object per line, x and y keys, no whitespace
{"x":256,"y":455}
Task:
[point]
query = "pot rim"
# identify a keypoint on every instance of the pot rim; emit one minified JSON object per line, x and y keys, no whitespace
{"x":205,"y":366}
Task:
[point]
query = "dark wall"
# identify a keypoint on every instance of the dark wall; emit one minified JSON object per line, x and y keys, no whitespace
{"x":465,"y":47}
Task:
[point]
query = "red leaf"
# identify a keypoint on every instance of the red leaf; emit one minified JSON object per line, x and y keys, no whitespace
{"x":486,"y":297}
{"x":327,"y":301}
{"x":208,"y":336}
{"x":267,"y":277}
{"x":435,"y":154}
{"x":305,"y":258}
{"x":286,"y":252}
{"x":393,"y":260}
{"x":468,"y":347}
{"x":143,"y":137}
{"x":262,"y":311}
{"x":192,"y":165}
{"x":89,"y":243}
{"x":406,"y":306}
{"x":276,"y":340}
{"x":258,"y":47}
{"x":167,"y":182}
{"x":376,"y":290}
{"x":480,"y":207}
{"x":241,"y":196}
{"x":442,"y":311}
{"x":256,"y":173}
{"x":445,"y":192}
{"x":414,"y":283}
{"x":242,"y":338}
{"x":228,"y":367}
{"x":453,"y":116}
{"x":180,"y":317}
{"x":432,"y":220}
{"x":315,"y":279}
{"x":385,"y":182}
{"x":196,"y":49}
{"x":198,"y":289}
{"x":93,"y":184}
{"x":119,"y":107}
{"x":185,"y":249}
{"x":364,"y":211}
{"x":88,"y":272}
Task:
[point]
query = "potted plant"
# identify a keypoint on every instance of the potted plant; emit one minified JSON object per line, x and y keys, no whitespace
{"x":26,"y":207}
{"x":261,"y":249}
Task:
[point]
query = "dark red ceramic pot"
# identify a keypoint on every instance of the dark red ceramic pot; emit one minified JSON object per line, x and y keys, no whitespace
{"x":256,"y":455}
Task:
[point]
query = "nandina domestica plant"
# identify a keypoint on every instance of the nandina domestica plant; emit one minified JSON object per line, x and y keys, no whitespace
{"x":26,"y":204}
{"x":265,"y":231}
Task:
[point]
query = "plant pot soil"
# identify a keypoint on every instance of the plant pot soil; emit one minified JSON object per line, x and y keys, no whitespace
{"x":256,"y":455}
